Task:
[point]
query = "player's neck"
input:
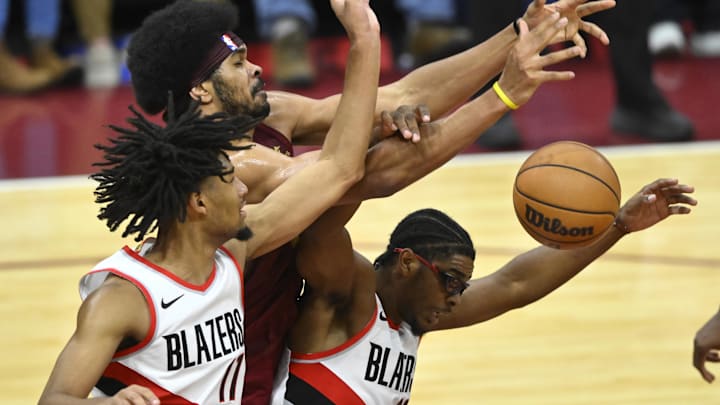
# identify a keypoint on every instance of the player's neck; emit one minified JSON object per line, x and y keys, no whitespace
{"x":186,"y":257}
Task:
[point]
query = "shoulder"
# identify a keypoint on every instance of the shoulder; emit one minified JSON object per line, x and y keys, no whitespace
{"x":285,"y":110}
{"x":117,"y":307}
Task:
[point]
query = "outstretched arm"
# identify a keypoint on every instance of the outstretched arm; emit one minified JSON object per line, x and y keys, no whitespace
{"x":534,"y":274}
{"x":299,"y":201}
{"x":393,"y":164}
{"x":442,"y":85}
{"x":706,"y":346}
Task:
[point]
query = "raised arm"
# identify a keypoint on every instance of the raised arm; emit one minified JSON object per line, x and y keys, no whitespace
{"x":340,"y":284}
{"x":393,"y":164}
{"x":299,"y":201}
{"x":442,"y":85}
{"x":534,"y":274}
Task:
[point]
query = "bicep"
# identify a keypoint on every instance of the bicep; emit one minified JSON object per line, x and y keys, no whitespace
{"x":306,"y":120}
{"x":325,"y":254}
{"x":105,"y":318}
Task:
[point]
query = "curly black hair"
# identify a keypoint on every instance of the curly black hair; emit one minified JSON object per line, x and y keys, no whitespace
{"x":429,"y":233}
{"x":150,"y":170}
{"x":170,"y":45}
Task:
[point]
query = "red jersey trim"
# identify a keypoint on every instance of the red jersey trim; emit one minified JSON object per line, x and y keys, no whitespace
{"x":129,"y":376}
{"x":326,"y":382}
{"x":151,"y":308}
{"x":350,"y":342}
{"x":170,"y":275}
{"x":240,"y":274}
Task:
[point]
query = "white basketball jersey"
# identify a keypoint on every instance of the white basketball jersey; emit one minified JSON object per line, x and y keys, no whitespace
{"x":374,"y":367}
{"x":194,"y":350}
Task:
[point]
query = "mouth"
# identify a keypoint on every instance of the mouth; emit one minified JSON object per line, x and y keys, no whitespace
{"x":258,"y":88}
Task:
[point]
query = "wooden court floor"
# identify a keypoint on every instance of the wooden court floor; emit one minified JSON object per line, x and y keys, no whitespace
{"x":619,"y":333}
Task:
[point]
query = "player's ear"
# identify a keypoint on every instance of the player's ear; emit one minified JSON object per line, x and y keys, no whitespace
{"x":406,"y":264}
{"x":196,"y":204}
{"x":202,"y":93}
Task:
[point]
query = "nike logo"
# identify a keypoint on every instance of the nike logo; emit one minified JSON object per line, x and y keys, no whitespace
{"x":382,"y":316}
{"x":165,"y":305}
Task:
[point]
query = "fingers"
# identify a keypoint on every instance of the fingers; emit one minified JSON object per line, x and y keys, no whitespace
{"x":546,"y":31}
{"x":699,"y":357}
{"x":579,"y":42}
{"x":595,"y":30}
{"x":406,"y":120}
{"x":388,"y":127}
{"x":138,"y":395}
{"x":561,"y":55}
{"x":594,"y":7}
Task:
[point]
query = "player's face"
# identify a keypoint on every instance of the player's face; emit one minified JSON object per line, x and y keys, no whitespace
{"x":438,"y":289}
{"x":226,"y":202}
{"x":238,"y":88}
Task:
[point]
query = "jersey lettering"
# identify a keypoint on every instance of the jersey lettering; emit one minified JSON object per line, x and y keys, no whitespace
{"x":224,"y":332}
{"x":377,"y":368}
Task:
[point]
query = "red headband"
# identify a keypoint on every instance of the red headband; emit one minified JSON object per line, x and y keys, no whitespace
{"x":228,"y":43}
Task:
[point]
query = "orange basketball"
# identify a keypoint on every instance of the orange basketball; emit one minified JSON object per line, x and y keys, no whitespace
{"x":566,"y":194}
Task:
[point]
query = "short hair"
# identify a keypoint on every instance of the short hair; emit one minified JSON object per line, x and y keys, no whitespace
{"x":169,"y":47}
{"x":149,"y":170}
{"x":429,"y":233}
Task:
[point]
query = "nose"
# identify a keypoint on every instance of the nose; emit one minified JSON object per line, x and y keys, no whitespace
{"x":255,"y":70}
{"x":453,"y":300}
{"x":241,"y":188}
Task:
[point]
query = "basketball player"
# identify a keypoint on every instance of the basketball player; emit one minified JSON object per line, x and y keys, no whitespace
{"x":706,"y":346}
{"x":166,"y":53}
{"x":360,"y":323}
{"x":166,"y":324}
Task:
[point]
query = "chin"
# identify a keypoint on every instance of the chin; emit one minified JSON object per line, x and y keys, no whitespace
{"x":244,"y":234}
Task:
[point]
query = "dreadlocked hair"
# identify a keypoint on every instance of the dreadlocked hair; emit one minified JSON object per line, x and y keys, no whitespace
{"x":149,"y":171}
{"x":429,"y":233}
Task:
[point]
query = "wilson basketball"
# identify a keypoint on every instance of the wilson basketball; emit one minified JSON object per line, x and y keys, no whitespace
{"x":566,"y":194}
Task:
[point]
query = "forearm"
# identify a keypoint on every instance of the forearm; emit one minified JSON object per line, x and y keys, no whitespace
{"x":444,"y":84}
{"x":393,"y":164}
{"x":540,"y":271}
{"x":348,"y":138}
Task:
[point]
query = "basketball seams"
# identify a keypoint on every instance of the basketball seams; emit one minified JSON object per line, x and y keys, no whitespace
{"x":601,"y":181}
{"x":563,"y":208}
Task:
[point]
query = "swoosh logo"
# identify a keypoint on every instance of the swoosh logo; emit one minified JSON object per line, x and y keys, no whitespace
{"x":165,"y":305}
{"x":382,"y":316}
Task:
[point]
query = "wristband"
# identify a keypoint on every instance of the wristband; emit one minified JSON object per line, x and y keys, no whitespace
{"x":505,"y":99}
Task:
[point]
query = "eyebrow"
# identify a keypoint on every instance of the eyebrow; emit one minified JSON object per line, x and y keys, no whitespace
{"x":463,"y":276}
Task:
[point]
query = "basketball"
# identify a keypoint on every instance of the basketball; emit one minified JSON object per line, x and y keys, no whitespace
{"x":566,"y":194}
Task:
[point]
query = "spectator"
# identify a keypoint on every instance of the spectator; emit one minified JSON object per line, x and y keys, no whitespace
{"x":101,"y":62}
{"x":640,"y":107}
{"x":666,"y":36}
{"x":289,"y":23}
{"x":42,"y":19}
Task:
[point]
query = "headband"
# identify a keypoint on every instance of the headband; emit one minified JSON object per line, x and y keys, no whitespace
{"x":226,"y":46}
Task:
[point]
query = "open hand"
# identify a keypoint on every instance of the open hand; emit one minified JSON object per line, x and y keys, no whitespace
{"x":655,"y":202}
{"x":574,"y":11}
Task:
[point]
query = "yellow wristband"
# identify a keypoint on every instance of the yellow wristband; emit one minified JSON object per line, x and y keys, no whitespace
{"x":505,"y":99}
